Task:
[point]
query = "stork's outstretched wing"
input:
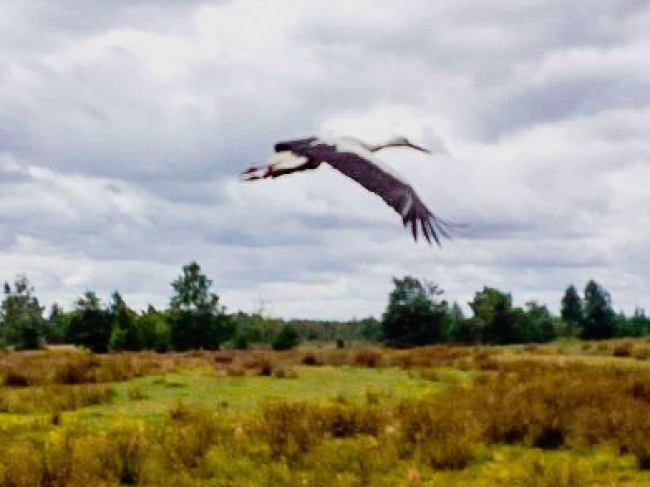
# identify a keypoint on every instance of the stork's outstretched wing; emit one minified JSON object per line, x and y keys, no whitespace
{"x":361,"y":165}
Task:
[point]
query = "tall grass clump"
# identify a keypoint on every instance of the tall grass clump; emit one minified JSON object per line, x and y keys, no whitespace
{"x":440,"y":431}
{"x":290,"y":429}
{"x":125,"y":454}
{"x":541,"y":471}
{"x":24,"y":369}
{"x":51,"y":399}
{"x":189,"y":436}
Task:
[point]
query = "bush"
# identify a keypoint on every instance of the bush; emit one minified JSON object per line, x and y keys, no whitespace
{"x":286,"y":339}
{"x":290,"y":430}
{"x":187,"y":439}
{"x":125,"y":455}
{"x":367,"y":358}
{"x":241,"y":342}
{"x":540,"y":471}
{"x":625,"y":349}
{"x":440,"y":431}
{"x":311,"y":359}
{"x":44,"y":399}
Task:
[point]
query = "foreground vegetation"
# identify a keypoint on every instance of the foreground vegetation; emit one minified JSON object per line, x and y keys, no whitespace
{"x":567,"y":414}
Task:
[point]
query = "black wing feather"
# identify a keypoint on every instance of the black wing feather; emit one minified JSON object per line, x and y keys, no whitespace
{"x":297,"y":146}
{"x":395,"y":192}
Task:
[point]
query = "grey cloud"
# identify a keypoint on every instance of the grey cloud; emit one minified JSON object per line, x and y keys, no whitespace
{"x":122,"y":133}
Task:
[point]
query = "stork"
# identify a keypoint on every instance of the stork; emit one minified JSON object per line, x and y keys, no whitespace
{"x":357,"y":161}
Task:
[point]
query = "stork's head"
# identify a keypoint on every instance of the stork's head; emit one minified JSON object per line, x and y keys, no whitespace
{"x":404,"y":142}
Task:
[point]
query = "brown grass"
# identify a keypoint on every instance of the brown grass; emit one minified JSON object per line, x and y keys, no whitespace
{"x":47,"y":368}
{"x":43,"y":399}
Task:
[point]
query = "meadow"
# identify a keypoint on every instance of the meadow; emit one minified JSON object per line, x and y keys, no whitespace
{"x":563,"y":414}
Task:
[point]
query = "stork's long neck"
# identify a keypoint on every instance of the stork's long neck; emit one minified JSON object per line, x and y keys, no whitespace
{"x":378,"y":147}
{"x":388,"y":143}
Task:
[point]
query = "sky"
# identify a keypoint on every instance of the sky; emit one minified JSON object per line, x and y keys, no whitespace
{"x":123,"y":131}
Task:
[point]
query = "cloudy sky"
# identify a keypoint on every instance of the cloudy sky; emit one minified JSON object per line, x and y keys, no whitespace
{"x":123,"y":130}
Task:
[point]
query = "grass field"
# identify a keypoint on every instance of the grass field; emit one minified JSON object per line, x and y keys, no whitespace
{"x":567,"y":414}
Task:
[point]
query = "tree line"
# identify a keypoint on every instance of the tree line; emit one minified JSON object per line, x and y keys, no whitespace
{"x":416,"y":314}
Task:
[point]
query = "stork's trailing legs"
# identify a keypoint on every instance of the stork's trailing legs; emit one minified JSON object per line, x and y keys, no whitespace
{"x":254,"y":173}
{"x":280,"y":164}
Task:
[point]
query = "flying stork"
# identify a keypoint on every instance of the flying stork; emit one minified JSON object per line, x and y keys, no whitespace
{"x":357,"y":161}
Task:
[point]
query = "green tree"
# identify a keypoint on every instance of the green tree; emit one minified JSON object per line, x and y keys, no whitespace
{"x":461,"y":329}
{"x":494,"y":316}
{"x":125,"y":333}
{"x":286,"y":339}
{"x":241,"y":341}
{"x":638,"y":324}
{"x":196,"y":318}
{"x":58,"y":322}
{"x":370,"y":329}
{"x":536,"y":324}
{"x":623,"y":325}
{"x":21,"y":316}
{"x":155,"y":332}
{"x":599,"y":317}
{"x":414,"y":315}
{"x":90,"y":324}
{"x":571,"y":311}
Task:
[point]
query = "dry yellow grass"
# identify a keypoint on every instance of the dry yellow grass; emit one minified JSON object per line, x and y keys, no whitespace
{"x":548,"y":415}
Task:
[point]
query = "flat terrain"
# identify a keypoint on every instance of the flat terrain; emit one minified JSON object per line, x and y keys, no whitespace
{"x":567,"y":414}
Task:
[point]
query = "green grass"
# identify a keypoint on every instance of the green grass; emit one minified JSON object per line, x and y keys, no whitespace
{"x":243,"y":394}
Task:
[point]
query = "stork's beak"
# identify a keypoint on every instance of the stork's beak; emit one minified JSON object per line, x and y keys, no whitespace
{"x":421,"y":149}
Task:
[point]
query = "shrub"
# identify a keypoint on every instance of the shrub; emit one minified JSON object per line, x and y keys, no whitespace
{"x":48,"y":399}
{"x":290,"y":429}
{"x":623,"y":350}
{"x":286,"y":339}
{"x":360,"y":459}
{"x":541,"y":471}
{"x":641,"y":354}
{"x":311,"y":359}
{"x":259,"y":363}
{"x":367,"y":358}
{"x":16,"y":378}
{"x":126,"y":451}
{"x":285,"y":373}
{"x":190,"y":435}
{"x":241,"y":342}
{"x":440,"y":431}
{"x":69,"y":368}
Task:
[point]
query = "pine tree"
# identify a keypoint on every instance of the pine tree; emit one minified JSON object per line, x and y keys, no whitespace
{"x":572,"y":311}
{"x":125,"y":333}
{"x":599,"y":317}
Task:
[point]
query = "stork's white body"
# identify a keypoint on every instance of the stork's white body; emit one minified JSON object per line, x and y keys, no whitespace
{"x":285,"y":161}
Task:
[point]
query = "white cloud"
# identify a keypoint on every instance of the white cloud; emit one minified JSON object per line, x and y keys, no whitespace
{"x":122,"y":133}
